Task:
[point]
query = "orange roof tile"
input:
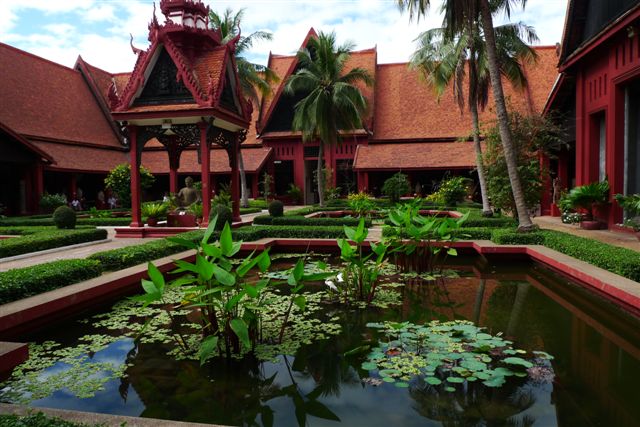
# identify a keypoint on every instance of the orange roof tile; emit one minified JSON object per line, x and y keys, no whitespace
{"x":44,"y":99}
{"x":158,"y":161}
{"x":424,"y":155}
{"x":82,"y":158}
{"x":407,"y":108}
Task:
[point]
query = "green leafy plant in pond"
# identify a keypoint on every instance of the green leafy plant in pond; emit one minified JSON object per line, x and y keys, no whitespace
{"x":423,"y":241}
{"x":227,"y":304}
{"x":361,"y":274}
{"x":447,"y":354}
{"x":361,"y":203}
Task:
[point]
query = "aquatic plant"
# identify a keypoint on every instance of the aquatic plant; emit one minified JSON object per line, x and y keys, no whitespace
{"x":450,"y":353}
{"x":361,"y":274}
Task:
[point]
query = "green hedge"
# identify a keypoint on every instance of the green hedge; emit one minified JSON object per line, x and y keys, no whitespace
{"x":24,"y":282}
{"x":244,"y":211}
{"x":39,"y":420}
{"x":513,"y":237}
{"x":48,"y":239}
{"x":40,"y":222}
{"x":622,"y":261}
{"x":475,"y":233}
{"x":304,"y":221}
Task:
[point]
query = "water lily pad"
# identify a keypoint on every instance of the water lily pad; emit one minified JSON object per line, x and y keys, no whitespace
{"x":369,"y":366}
{"x":518,"y":361}
{"x":433,"y":381}
{"x":402,"y":384}
{"x":450,"y":389}
{"x":388,"y":379}
{"x":456,"y":380}
{"x":496,"y":381}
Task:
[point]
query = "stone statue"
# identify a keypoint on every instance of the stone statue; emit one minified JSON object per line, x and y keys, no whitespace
{"x":188,"y":195}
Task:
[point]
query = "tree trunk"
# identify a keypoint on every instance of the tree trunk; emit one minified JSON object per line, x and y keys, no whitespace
{"x":244,"y":193}
{"x":524,"y":221}
{"x":486,"y":208}
{"x":320,"y":175}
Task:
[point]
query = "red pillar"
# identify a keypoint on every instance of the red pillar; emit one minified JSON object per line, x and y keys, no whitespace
{"x":173,"y":181}
{"x":235,"y":179}
{"x":581,"y":140}
{"x":73,"y":186}
{"x":545,"y":202}
{"x":255,"y":179}
{"x":298,"y":168}
{"x":615,"y":149}
{"x":205,"y":174}
{"x":136,"y":217}
{"x":363,"y":182}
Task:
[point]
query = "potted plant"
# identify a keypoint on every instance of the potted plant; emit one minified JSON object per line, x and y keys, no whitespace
{"x":196,"y":209}
{"x":631,"y":204}
{"x":294,"y":193}
{"x":588,"y":197}
{"x":154,"y":211}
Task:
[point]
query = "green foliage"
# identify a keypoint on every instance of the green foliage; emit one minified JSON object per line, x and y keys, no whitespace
{"x":629,"y":203}
{"x":267,"y":181}
{"x":196,"y":209}
{"x":43,"y":222}
{"x":588,"y":196}
{"x":154,"y":209}
{"x":622,"y":261}
{"x":361,"y":203}
{"x":39,"y":419}
{"x":48,"y":239}
{"x":20,"y":283}
{"x":49,"y":202}
{"x":295,"y":193}
{"x":361,"y":274}
{"x":451,"y":192}
{"x":396,"y":186}
{"x":258,"y":204}
{"x":304,"y":221}
{"x":222,"y":198}
{"x":513,"y":237}
{"x":64,"y":217}
{"x":428,"y":237}
{"x":119,"y":181}
{"x":224,"y":215}
{"x":444,"y":354}
{"x":276,"y":208}
{"x":244,"y":211}
{"x":464,"y":233}
{"x":95,"y":213}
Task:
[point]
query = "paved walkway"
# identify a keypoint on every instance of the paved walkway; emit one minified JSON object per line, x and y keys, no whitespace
{"x":624,"y":240}
{"x":85,"y":251}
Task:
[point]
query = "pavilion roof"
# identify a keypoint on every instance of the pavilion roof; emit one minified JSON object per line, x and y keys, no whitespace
{"x":82,"y":158}
{"x":157,"y":161}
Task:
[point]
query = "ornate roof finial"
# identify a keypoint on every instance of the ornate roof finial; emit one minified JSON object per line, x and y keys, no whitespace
{"x":135,"y":50}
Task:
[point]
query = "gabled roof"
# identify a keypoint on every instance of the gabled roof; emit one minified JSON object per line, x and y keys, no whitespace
{"x":254,"y":160}
{"x":285,"y":65}
{"x":414,"y":156}
{"x":407,"y":108}
{"x":26,"y":144}
{"x":42,"y":99}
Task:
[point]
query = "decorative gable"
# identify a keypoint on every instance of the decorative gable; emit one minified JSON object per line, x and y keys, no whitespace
{"x":164,"y":85}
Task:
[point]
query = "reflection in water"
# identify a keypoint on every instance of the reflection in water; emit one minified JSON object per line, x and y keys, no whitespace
{"x":596,"y":366}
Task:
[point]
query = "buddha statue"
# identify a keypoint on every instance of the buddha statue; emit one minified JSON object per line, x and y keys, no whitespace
{"x":188,"y":195}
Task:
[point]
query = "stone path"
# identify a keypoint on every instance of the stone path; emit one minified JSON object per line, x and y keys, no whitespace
{"x":85,"y":251}
{"x":624,"y":240}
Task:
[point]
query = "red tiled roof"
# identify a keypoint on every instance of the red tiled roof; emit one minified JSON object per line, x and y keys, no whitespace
{"x":209,"y":66}
{"x":82,"y":158}
{"x":44,"y":99}
{"x":425,"y":155}
{"x":407,"y":108}
{"x":158,"y":161}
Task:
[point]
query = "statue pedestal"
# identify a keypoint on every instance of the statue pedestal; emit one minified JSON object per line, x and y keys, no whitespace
{"x":181,"y":220}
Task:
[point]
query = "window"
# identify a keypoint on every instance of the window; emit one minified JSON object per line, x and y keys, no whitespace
{"x":602,"y":149}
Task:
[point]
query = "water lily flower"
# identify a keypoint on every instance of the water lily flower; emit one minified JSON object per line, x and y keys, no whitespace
{"x":331,"y":285}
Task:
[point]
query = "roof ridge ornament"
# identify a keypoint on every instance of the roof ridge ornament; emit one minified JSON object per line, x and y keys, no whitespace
{"x":135,"y":50}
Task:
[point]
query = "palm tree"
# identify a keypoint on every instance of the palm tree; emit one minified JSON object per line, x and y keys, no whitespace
{"x":254,"y":78}
{"x":334,"y":103}
{"x":443,"y":61}
{"x":457,"y":15}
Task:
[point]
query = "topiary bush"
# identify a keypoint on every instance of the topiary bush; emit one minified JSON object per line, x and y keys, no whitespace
{"x":513,"y":237}
{"x":224,"y":215}
{"x":396,"y":186}
{"x":64,"y":217}
{"x":276,"y":208}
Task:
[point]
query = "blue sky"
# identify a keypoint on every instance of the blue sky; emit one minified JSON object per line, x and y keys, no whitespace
{"x":99,"y":29}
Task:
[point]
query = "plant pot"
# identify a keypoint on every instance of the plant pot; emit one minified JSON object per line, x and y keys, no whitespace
{"x":555,"y":210}
{"x":590,"y":225}
{"x":152,"y":222}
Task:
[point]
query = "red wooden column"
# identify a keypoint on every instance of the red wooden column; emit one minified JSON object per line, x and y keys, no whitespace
{"x":173,"y":181}
{"x":615,"y":149}
{"x":545,"y":202}
{"x":136,"y":217}
{"x":205,"y":174}
{"x":38,"y":185}
{"x":73,"y":186}
{"x":255,"y":192}
{"x":235,"y":178}
{"x":363,"y":181}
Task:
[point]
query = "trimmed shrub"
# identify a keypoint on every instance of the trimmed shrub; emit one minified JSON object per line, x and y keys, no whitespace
{"x":39,"y":420}
{"x":64,"y":217}
{"x":310,"y":222}
{"x":297,"y":232}
{"x":224,"y":216}
{"x":476,"y":233}
{"x":513,"y":237}
{"x":244,"y":211}
{"x":24,"y":282}
{"x":44,"y":222}
{"x":396,"y":186}
{"x":48,"y":239}
{"x":622,"y":261}
{"x":276,"y":208}
{"x":493,"y":222}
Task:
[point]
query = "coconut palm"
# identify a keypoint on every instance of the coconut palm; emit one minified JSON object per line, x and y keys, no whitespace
{"x":444,"y":61}
{"x":334,"y":103}
{"x":457,"y":15}
{"x":254,"y":78}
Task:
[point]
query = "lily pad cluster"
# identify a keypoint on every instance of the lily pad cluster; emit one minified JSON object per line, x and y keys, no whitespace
{"x":449,"y":353}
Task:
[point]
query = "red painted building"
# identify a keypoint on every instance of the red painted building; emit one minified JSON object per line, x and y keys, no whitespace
{"x":599,"y":88}
{"x":61,"y":128}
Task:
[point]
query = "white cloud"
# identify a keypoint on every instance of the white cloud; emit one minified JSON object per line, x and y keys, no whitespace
{"x":103,"y":12}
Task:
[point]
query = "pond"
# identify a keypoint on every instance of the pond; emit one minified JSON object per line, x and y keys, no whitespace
{"x":94,"y":364}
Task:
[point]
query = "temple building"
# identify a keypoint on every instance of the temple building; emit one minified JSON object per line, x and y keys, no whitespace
{"x":62,"y":129}
{"x":599,"y":87}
